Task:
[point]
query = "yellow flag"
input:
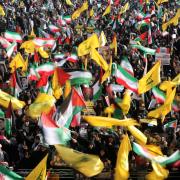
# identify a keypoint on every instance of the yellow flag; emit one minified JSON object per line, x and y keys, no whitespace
{"x":165,"y":16}
{"x":126,"y":102}
{"x":57,"y":90}
{"x":42,"y":103}
{"x":17,"y":62}
{"x":113,"y":45}
{"x":155,"y":150}
{"x":39,"y":172}
{"x":77,"y":13}
{"x":5,"y":98}
{"x":165,"y":85}
{"x":176,"y":79}
{"x":124,"y":8}
{"x":25,"y":67}
{"x":149,"y":121}
{"x":158,"y":172}
{"x":107,"y":11}
{"x":163,"y":110}
{"x":109,"y":110}
{"x":161,"y":1}
{"x":91,"y":13}
{"x":102,"y":39}
{"x":108,"y":72}
{"x":89,"y":165}
{"x":67,"y":89}
{"x":151,"y":79}
{"x":86,"y":46}
{"x":174,"y":21}
{"x":28,"y":46}
{"x":108,"y":122}
{"x":68,"y":2}
{"x":2,"y":13}
{"x":99,"y":59}
{"x":139,"y":136}
{"x":43,"y":53}
{"x":122,"y":163}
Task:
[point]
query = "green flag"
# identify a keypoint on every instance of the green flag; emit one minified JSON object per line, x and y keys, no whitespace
{"x":7,"y":174}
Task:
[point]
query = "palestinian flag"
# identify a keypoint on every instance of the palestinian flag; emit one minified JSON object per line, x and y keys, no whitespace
{"x":72,"y":58}
{"x":125,"y":64}
{"x":54,"y":134}
{"x":78,"y":105}
{"x":4,"y":42}
{"x":97,"y":90}
{"x":67,"y":19}
{"x":77,"y":77}
{"x":46,"y":69}
{"x":15,"y":84}
{"x":44,"y":42}
{"x":53,"y":28}
{"x":140,"y":15}
{"x":71,"y":106}
{"x":143,"y":23}
{"x":162,"y":160}
{"x":8,"y":120}
{"x":172,"y":124}
{"x":6,"y":174}
{"x":13,"y":36}
{"x":10,"y":49}
{"x":80,"y":77}
{"x":76,"y":120}
{"x":161,"y":97}
{"x":126,"y":79}
{"x":141,"y":37}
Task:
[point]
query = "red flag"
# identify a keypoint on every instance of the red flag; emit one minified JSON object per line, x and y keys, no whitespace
{"x":13,"y":80}
{"x":62,"y":76}
{"x":42,"y":81}
{"x":143,"y":36}
{"x":116,"y":2}
{"x":76,"y":120}
{"x":36,"y":57}
{"x":77,"y":100}
{"x":8,"y":113}
{"x":51,"y":112}
{"x":101,"y":75}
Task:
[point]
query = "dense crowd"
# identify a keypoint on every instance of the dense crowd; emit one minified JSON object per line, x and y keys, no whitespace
{"x":25,"y":147}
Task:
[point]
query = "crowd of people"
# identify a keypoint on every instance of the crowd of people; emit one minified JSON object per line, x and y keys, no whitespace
{"x":25,"y":146}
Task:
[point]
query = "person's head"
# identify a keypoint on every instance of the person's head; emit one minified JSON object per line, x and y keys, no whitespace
{"x":110,"y":139}
{"x":27,"y":123}
{"x":91,"y":145}
{"x":43,"y":147}
{"x":102,"y":152}
{"x":37,"y":139}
